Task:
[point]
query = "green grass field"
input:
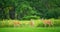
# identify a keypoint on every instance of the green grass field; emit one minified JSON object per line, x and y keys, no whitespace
{"x":31,"y":29}
{"x":27,"y":28}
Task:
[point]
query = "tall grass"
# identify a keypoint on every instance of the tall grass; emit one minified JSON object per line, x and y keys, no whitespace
{"x":25,"y":23}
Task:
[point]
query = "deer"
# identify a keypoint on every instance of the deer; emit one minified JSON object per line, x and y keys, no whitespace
{"x":3,"y":23}
{"x":31,"y":23}
{"x":16,"y":23}
{"x":45,"y":22}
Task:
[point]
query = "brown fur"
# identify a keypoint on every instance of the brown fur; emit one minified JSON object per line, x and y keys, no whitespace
{"x":45,"y":22}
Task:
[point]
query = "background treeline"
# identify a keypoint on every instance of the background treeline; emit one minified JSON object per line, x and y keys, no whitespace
{"x":27,"y":9}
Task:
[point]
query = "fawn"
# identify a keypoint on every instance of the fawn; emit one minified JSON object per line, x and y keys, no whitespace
{"x":31,"y":22}
{"x":45,"y":22}
{"x":16,"y":23}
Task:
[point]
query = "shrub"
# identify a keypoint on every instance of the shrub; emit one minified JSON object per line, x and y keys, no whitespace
{"x":37,"y":23}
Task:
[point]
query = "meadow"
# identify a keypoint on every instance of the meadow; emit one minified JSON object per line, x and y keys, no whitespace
{"x":26,"y":23}
{"x":40,"y":29}
{"x":25,"y":26}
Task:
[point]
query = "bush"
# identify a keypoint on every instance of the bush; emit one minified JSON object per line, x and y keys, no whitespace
{"x":56,"y":23}
{"x":38,"y":23}
{"x":31,"y":17}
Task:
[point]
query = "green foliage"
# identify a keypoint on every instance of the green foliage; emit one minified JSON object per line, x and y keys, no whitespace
{"x":19,"y":9}
{"x":31,"y":17}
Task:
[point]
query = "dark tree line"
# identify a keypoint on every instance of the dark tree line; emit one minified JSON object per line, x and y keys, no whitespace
{"x":27,"y":9}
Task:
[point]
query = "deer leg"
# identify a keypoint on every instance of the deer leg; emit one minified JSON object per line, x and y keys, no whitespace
{"x":14,"y":25}
{"x":18,"y":25}
{"x":49,"y":25}
{"x":44,"y":25}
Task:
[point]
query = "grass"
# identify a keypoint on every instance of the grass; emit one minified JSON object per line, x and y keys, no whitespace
{"x":25,"y":23}
{"x":6,"y":23}
{"x":31,"y":29}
